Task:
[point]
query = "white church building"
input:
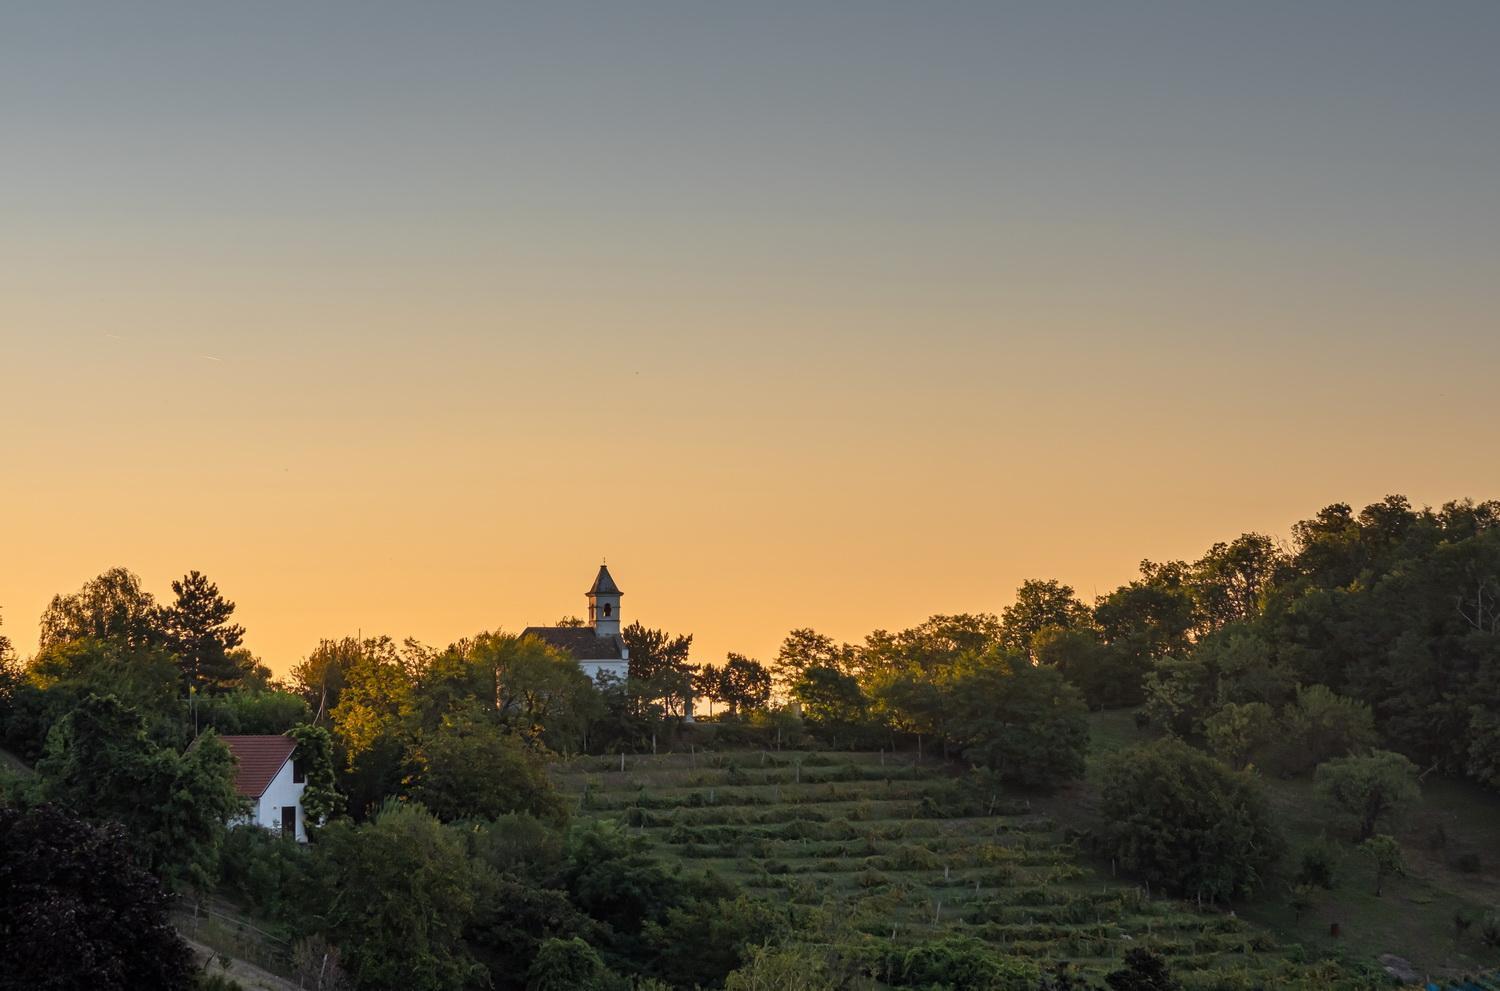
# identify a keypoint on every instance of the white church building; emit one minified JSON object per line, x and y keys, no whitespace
{"x":598,"y":647}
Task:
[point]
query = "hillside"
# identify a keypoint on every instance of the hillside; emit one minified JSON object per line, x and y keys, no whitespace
{"x":1449,"y":843}
{"x":898,"y":850}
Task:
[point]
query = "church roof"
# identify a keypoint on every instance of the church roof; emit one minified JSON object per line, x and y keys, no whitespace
{"x":604,"y":584}
{"x":580,"y":641}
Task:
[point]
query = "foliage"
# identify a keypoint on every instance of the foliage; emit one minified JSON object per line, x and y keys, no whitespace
{"x":513,"y":919}
{"x":527,"y":685}
{"x":264,"y":870}
{"x":111,"y":607}
{"x":1143,"y":971}
{"x":99,"y":761}
{"x":1040,"y":605}
{"x":701,"y":941}
{"x":806,"y":648}
{"x":1185,"y":823}
{"x":253,"y":712}
{"x":793,"y":968}
{"x":830,"y":698}
{"x":144,"y":678}
{"x":470,"y":767}
{"x":314,"y":756}
{"x":196,"y":628}
{"x":76,"y":911}
{"x":1319,"y":726}
{"x":654,"y":652}
{"x":1180,"y":693}
{"x":1151,"y":617}
{"x":1025,"y":722}
{"x":743,"y":683}
{"x":565,"y":965}
{"x":1368,"y":790}
{"x":399,"y":891}
{"x":1106,"y":675}
{"x":1239,"y":731}
{"x":1385,"y":852}
{"x":963,"y":962}
{"x":1318,"y":865}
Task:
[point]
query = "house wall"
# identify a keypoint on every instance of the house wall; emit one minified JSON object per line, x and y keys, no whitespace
{"x":281,"y":791}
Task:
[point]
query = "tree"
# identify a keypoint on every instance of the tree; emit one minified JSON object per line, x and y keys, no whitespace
{"x":1236,"y":733}
{"x":1385,"y":853}
{"x":653,"y":652}
{"x":701,"y":941}
{"x":7,"y":652}
{"x":791,"y":968}
{"x":77,"y":912}
{"x":1184,"y":822}
{"x":931,"y":646}
{"x":1321,"y":725}
{"x":1025,"y":722}
{"x":830,"y":698}
{"x":197,"y":629}
{"x":1370,"y":789}
{"x":1151,"y":617}
{"x":253,"y":712}
{"x":314,"y":756}
{"x":1229,"y":581}
{"x":744,"y":683}
{"x":565,"y":965}
{"x":1040,"y":604}
{"x":1143,"y":971}
{"x":112,"y":607}
{"x":1180,"y":692}
{"x":145,"y":678}
{"x":1484,"y":748}
{"x":1105,"y":675}
{"x":398,"y":894}
{"x":806,"y":648}
{"x":708,"y":683}
{"x":375,"y":718}
{"x":533,"y":688}
{"x":469,"y":767}
{"x":100,"y":763}
{"x":319,"y":677}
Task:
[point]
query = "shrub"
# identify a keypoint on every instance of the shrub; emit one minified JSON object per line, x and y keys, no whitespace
{"x":1184,"y":822}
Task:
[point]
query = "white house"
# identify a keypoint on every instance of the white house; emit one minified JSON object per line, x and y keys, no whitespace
{"x":266,"y":774}
{"x":597,"y":647}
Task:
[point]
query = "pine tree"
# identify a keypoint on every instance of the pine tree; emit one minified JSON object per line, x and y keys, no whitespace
{"x":199,"y":632}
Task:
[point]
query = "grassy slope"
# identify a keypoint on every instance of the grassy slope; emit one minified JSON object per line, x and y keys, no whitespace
{"x":850,"y":833}
{"x":13,"y":764}
{"x":1414,"y":918}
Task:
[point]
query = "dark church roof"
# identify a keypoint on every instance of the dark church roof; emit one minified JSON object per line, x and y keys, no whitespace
{"x":580,"y":641}
{"x":604,"y":584}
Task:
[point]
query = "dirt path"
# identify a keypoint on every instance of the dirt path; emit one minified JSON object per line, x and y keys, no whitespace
{"x":247,"y":974}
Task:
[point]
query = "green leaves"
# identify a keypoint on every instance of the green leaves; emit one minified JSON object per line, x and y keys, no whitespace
{"x":1368,"y":790}
{"x":1183,"y":822}
{"x":100,"y":762}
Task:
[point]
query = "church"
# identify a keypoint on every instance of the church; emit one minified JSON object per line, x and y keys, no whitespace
{"x":598,"y":647}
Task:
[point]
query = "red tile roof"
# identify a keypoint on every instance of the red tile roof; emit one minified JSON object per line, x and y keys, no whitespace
{"x":257,"y":759}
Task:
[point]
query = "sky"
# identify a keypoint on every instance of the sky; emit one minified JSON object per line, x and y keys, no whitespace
{"x":399,"y":318}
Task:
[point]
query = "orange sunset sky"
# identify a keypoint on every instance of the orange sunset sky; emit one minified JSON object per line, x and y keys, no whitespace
{"x":399,"y":320}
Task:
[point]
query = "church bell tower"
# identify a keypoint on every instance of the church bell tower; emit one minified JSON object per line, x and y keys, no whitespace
{"x":604,"y":604}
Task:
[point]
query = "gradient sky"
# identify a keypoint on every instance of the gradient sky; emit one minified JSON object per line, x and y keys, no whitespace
{"x":399,"y":317}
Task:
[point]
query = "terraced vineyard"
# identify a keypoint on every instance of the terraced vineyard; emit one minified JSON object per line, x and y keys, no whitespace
{"x":901,"y":851}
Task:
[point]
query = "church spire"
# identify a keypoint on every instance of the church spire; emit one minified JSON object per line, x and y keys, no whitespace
{"x":604,"y":604}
